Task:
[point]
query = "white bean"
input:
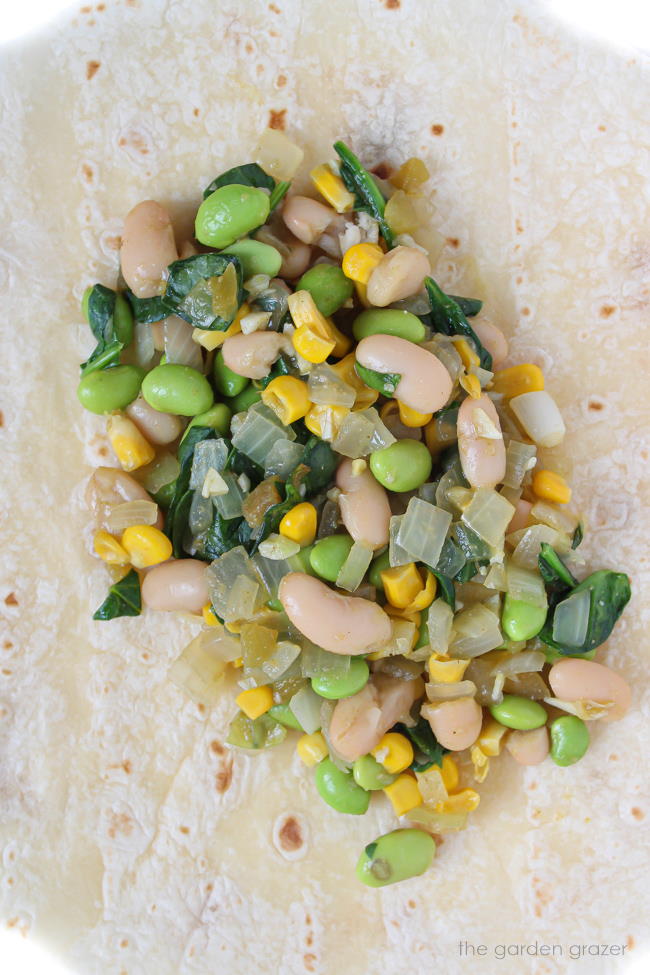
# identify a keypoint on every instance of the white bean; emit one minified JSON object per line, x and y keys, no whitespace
{"x":493,"y":339}
{"x":456,"y":724}
{"x":521,"y":516}
{"x":359,"y":722}
{"x":399,"y":274}
{"x":253,"y":355}
{"x":306,"y":218}
{"x":296,"y":260}
{"x":340,"y":624}
{"x":365,"y":510}
{"x":528,"y":747}
{"x":425,"y":384}
{"x":158,"y":428}
{"x":147,"y":248}
{"x":480,"y":442}
{"x":179,"y":584}
{"x":109,"y":486}
{"x":586,"y":680}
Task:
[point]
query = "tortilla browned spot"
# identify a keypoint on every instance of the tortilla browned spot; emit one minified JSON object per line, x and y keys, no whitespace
{"x":224,"y":777}
{"x":437,"y":129}
{"x":92,"y":67}
{"x":290,"y":835}
{"x":277,"y":119}
{"x":11,"y":600}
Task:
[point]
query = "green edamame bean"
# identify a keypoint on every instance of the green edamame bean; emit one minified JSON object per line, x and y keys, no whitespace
{"x":229,"y":213}
{"x":301,"y":561}
{"x":275,"y":605}
{"x":396,"y":856}
{"x":218,"y":417}
{"x":377,"y":566}
{"x":328,"y":286}
{"x":388,"y":321}
{"x":244,"y":399}
{"x":256,"y":257}
{"x":122,"y":320}
{"x":334,"y":688}
{"x":569,"y":739}
{"x":228,"y":383}
{"x":329,"y":554}
{"x":284,"y":714}
{"x":110,"y":389}
{"x":172,"y":388}
{"x":520,"y":620}
{"x":370,"y":775}
{"x":339,"y":790}
{"x":403,"y":466}
{"x":519,"y":712}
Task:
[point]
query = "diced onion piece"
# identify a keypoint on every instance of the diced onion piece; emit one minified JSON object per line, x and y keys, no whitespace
{"x":423,"y":531}
{"x":396,"y":554}
{"x":460,"y":497}
{"x":306,"y":708}
{"x":526,"y":662}
{"x":283,"y":656}
{"x":571,"y":619}
{"x":520,"y":458}
{"x":222,"y":573}
{"x":484,"y":376}
{"x":257,"y":285}
{"x":258,"y":644}
{"x":437,"y":822}
{"x":253,"y":735}
{"x":327,"y":388}
{"x":449,"y":692}
{"x":444,"y":349}
{"x":355,"y":567}
{"x":488,"y":514}
{"x":548,"y":514}
{"x":242,"y":599}
{"x":432,"y":786}
{"x":259,"y":432}
{"x":405,"y":668}
{"x":199,"y":669}
{"x":525,"y":585}
{"x":162,"y":470}
{"x":381,"y":437}
{"x":530,"y":685}
{"x":207,"y":454}
{"x":475,"y":630}
{"x":273,"y":571}
{"x":229,"y":505}
{"x":277,"y":155}
{"x":452,"y":559}
{"x":400,"y":641}
{"x":201,"y":514}
{"x":529,"y":544}
{"x":539,"y":416}
{"x":256,"y":321}
{"x":277,"y":547}
{"x":316,"y":662}
{"x":129,"y":513}
{"x":283,"y":458}
{"x":450,"y":479}
{"x":582,"y":708}
{"x":496,"y":578}
{"x":446,"y":427}
{"x":180,"y":347}
{"x":428,"y":491}
{"x":440,"y":621}
{"x":354,"y":436}
{"x":499,"y":683}
{"x":143,"y":347}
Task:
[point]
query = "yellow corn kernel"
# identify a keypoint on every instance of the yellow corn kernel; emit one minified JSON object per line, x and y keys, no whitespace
{"x":408,"y":614}
{"x":449,"y":773}
{"x":214,"y":340}
{"x":490,"y":738}
{"x":325,"y":421}
{"x":362,"y":294}
{"x":234,"y":626}
{"x":467,"y":354}
{"x":312,"y":749}
{"x":551,"y":487}
{"x":470,"y":384}
{"x":288,"y":397}
{"x":481,"y":763}
{"x":411,"y":418}
{"x":146,"y":545}
{"x":239,"y":662}
{"x":517,"y":380}
{"x":394,"y":752}
{"x":255,"y":701}
{"x":109,"y":549}
{"x":401,"y":584}
{"x":446,"y":671}
{"x":331,"y":186}
{"x":311,"y":345}
{"x":360,"y":260}
{"x":209,"y":615}
{"x":131,"y":448}
{"x":342,"y":343}
{"x":300,"y":524}
{"x":411,"y":175}
{"x":365,"y":396}
{"x":404,"y":794}
{"x":424,"y":598}
{"x":465,"y":801}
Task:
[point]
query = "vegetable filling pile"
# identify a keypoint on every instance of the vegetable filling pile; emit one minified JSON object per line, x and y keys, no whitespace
{"x":327,"y":457}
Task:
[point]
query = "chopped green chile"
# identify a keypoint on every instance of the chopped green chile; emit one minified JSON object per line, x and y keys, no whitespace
{"x":262,"y":732}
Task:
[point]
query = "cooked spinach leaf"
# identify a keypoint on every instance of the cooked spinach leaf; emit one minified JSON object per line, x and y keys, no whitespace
{"x":147,"y":310}
{"x":578,"y":535}
{"x":427,"y":749}
{"x":447,"y":317}
{"x":367,"y":195}
{"x":278,"y":194}
{"x":250,"y":174}
{"x":274,"y":515}
{"x":239,"y":463}
{"x":221,"y":536}
{"x":111,"y":322}
{"x":178,"y":513}
{"x":281,"y":367}
{"x":553,"y":571}
{"x":468,"y":306}
{"x":447,"y":591}
{"x":316,"y":469}
{"x":191,"y":291}
{"x":124,"y":599}
{"x":385,"y":382}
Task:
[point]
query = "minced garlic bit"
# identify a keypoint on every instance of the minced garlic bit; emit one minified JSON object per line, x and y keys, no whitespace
{"x":213,"y":485}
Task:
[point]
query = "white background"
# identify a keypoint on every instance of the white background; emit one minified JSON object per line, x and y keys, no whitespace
{"x":622,"y":22}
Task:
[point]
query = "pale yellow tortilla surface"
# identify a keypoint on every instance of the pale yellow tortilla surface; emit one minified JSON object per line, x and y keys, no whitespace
{"x":131,"y":841}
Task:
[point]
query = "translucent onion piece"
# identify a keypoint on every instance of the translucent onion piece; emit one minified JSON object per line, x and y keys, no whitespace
{"x":207,"y":454}
{"x":256,"y":321}
{"x":499,"y":684}
{"x":452,"y":559}
{"x":242,"y":599}
{"x":440,"y":621}
{"x":443,"y":348}
{"x":180,"y":347}
{"x":540,"y":418}
{"x":418,"y":304}
{"x":450,"y":479}
{"x":520,"y":459}
{"x":315,"y":662}
{"x":437,"y":822}
{"x":258,"y":433}
{"x":476,"y":630}
{"x":381,"y":437}
{"x":277,"y":155}
{"x":330,"y":519}
{"x":256,"y":285}
{"x":201,"y":514}
{"x":253,"y":735}
{"x":582,"y":708}
{"x":273,"y":571}
{"x":396,"y":554}
{"x":496,"y":578}
{"x":258,"y":645}
{"x":527,"y":685}
{"x":326,"y":387}
{"x":222,"y":573}
{"x":423,"y":530}
{"x":529,"y":544}
{"x":525,"y":585}
{"x":513,"y":495}
{"x":548,"y":514}
{"x":526,"y":662}
{"x":273,"y":297}
{"x":428,"y":491}
{"x":202,"y":664}
{"x":306,"y":707}
{"x":143,"y":347}
{"x":402,"y":667}
{"x":488,"y":514}
{"x":280,"y":661}
{"x":432,"y":786}
{"x":450,"y":692}
{"x":481,"y":671}
{"x":121,"y":516}
{"x":355,"y":567}
{"x":401,"y":640}
{"x":162,"y":470}
{"x":354,"y":437}
{"x":278,"y":547}
{"x":230,"y":505}
{"x":283,"y":457}
{"x":571,"y":619}
{"x":484,"y":376}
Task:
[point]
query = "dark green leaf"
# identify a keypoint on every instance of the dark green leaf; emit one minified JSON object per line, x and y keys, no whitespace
{"x":179,"y":509}
{"x":578,"y":535}
{"x":553,"y":570}
{"x":278,"y":193}
{"x":102,"y":357}
{"x":111,"y":322}
{"x":124,"y":599}
{"x":222,"y":535}
{"x":471,"y":544}
{"x":468,"y":306}
{"x":239,"y":463}
{"x":469,"y":570}
{"x":428,"y":751}
{"x":370,"y":850}
{"x":367,"y":195}
{"x":250,"y":174}
{"x":189,"y":289}
{"x":317,"y":467}
{"x":147,"y":310}
{"x":447,"y":591}
{"x":281,"y":367}
{"x":448,"y":318}
{"x":450,"y":408}
{"x":610,"y":593}
{"x":385,"y":382}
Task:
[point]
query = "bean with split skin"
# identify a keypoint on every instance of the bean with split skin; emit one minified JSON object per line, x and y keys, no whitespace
{"x":396,"y":856}
{"x":528,"y":747}
{"x":179,"y":584}
{"x":229,"y":213}
{"x":158,"y":428}
{"x":307,"y":219}
{"x":480,"y":442}
{"x":147,"y":249}
{"x":456,"y":724}
{"x":106,"y":390}
{"x":365,"y":510}
{"x":328,"y":286}
{"x":253,"y":355}
{"x":424,"y":385}
{"x":573,"y":679}
{"x":173,"y":388}
{"x":399,"y":274}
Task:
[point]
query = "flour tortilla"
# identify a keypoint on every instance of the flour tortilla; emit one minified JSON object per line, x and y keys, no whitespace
{"x":130,"y":839}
